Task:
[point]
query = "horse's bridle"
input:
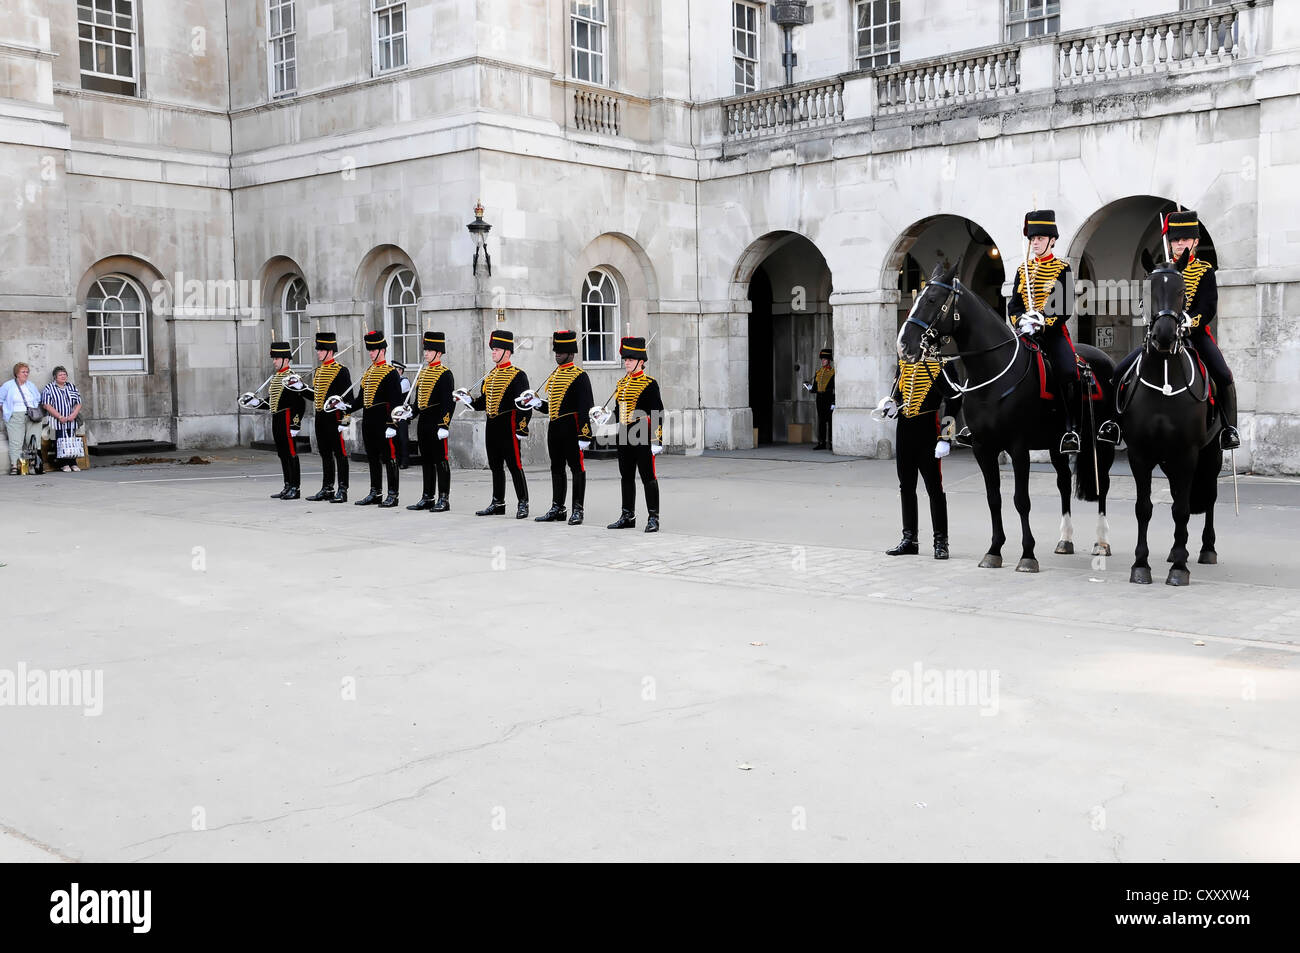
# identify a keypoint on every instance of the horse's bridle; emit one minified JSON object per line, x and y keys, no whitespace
{"x":932,"y":339}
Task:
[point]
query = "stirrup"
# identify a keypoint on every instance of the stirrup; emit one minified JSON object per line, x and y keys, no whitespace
{"x":1069,"y":442}
{"x":1108,"y":432}
{"x":1229,"y":438}
{"x":963,"y":438}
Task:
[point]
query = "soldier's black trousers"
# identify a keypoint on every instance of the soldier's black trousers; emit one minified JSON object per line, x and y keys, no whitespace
{"x":562,"y":443}
{"x":634,"y":458}
{"x":503,"y":453}
{"x":915,"y":455}
{"x":329,"y":444}
{"x":288,"y":453}
{"x":380,"y":450}
{"x":433,"y":455}
{"x":824,"y":419}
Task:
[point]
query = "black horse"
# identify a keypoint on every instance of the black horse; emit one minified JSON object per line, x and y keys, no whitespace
{"x":1167,"y":419}
{"x":1006,"y":411}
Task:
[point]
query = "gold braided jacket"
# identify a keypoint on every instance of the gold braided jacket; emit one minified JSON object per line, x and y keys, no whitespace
{"x":1042,"y":275}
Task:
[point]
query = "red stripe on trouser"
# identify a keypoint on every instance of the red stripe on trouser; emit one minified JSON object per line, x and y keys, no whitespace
{"x":392,"y":450}
{"x":582,"y":462}
{"x":654,"y":471}
{"x":519,"y":462}
{"x":293,"y":451}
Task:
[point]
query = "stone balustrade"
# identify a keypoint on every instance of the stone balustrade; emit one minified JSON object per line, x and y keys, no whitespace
{"x":787,"y":109}
{"x":974,"y":76}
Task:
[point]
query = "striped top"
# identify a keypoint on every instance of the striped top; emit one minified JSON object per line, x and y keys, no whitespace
{"x":277,"y":389}
{"x":914,"y":383}
{"x":62,"y":399}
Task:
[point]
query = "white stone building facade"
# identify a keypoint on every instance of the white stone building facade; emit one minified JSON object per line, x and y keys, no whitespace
{"x":183,"y":188}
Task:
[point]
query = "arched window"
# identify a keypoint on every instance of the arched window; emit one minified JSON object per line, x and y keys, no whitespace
{"x":294,"y":323}
{"x":402,"y":317}
{"x":600,"y":317}
{"x":115,"y":325}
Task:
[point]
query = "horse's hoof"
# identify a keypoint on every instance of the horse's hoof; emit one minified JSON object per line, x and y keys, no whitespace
{"x":991,"y":562}
{"x":1027,"y":565}
{"x":1141,"y":575}
{"x":1065,"y":548}
{"x":1208,"y":558}
{"x":1178,"y":577}
{"x":1101,"y":549}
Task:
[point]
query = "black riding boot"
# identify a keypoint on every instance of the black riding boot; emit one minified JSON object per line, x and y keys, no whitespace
{"x":555,"y":514}
{"x":907,"y":546}
{"x":280,"y":496}
{"x":326,"y":492}
{"x":372,"y":498}
{"x":626,"y":520}
{"x":342,"y":495}
{"x":292,"y":493}
{"x":495,"y":508}
{"x":1229,"y":438}
{"x":444,"y":488}
{"x":652,"y":521}
{"x":576,"y":518}
{"x":390,"y":467}
{"x":1070,"y":439}
{"x":940,"y":546}
{"x":939,"y":522}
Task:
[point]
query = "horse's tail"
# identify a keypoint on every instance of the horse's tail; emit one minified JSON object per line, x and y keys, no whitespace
{"x":1085,"y":475}
{"x":1205,"y":481}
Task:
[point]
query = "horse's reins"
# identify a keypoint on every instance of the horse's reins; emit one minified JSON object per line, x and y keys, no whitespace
{"x":930,"y":337}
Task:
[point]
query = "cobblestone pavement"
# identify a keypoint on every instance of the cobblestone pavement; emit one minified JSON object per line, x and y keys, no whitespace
{"x":295,"y":680}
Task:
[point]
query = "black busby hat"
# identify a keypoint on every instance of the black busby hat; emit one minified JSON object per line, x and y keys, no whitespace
{"x":503,"y":339}
{"x":1041,"y":222}
{"x":375,"y":340}
{"x":281,"y":349}
{"x":633,"y":348}
{"x":1181,"y":225}
{"x":825,"y":354}
{"x":565,"y":342}
{"x":435,"y":341}
{"x":327,"y":341}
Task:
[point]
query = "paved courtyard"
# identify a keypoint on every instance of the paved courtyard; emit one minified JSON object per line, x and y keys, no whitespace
{"x":299,"y":681}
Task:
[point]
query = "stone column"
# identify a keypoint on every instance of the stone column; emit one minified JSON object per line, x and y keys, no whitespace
{"x":865,"y":325}
{"x":724,"y":376}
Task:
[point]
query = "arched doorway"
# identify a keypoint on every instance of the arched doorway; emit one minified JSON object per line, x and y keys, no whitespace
{"x":1108,"y":249}
{"x":943,"y":239}
{"x":789,"y":289}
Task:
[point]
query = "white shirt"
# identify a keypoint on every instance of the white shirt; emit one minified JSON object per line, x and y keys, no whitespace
{"x":12,"y":398}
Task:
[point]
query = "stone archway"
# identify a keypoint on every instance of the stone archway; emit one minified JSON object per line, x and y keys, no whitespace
{"x":787,"y":283}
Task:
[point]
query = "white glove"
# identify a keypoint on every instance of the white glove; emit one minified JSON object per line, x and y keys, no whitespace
{"x":584,"y":444}
{"x":832,"y":406}
{"x":390,"y":432}
{"x":249,"y":399}
{"x":403,"y":412}
{"x":1186,"y":323}
{"x":333,"y":403}
{"x":942,"y":449}
{"x":294,"y":433}
{"x":656,"y":449}
{"x":885,"y":409}
{"x":1031,"y":322}
{"x":535,"y":402}
{"x":294,"y":382}
{"x":807,"y":387}
{"x":462,"y":395}
{"x":343,"y":428}
{"x":443,"y":433}
{"x":598,"y":416}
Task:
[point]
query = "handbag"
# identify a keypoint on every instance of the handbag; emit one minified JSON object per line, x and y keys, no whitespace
{"x":34,"y":414}
{"x":67,"y":448}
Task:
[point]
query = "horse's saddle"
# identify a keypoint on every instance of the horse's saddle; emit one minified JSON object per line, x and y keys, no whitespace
{"x":1049,"y":384}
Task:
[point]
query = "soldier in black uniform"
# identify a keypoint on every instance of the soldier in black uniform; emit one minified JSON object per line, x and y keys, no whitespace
{"x":640,"y":434}
{"x":507,"y":425}
{"x":1044,"y":317}
{"x":286,"y":408}
{"x":567,"y":403}
{"x":919,"y":389}
{"x":381,"y":394}
{"x":823,"y":386}
{"x":331,"y":379}
{"x":432,"y":408}
{"x":1201,"y":297}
